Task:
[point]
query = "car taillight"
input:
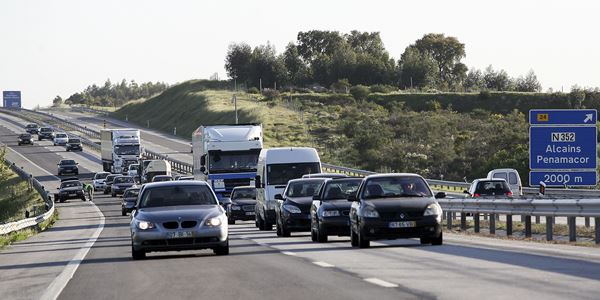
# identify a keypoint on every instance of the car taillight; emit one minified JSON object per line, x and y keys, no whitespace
{"x":476,"y":195}
{"x":508,"y":193}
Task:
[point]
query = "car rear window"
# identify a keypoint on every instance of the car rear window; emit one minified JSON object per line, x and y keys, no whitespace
{"x":177,"y":195}
{"x":340,"y":189}
{"x":131,"y":193}
{"x":74,"y":141}
{"x":501,"y":175}
{"x":303,"y":188}
{"x":491,"y":188}
{"x":512,"y":178}
{"x":61,"y":135}
{"x":124,"y":179}
{"x":244,"y":194}
{"x":101,"y":175}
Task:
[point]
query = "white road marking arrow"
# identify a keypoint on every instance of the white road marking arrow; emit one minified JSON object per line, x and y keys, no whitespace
{"x":588,"y":117}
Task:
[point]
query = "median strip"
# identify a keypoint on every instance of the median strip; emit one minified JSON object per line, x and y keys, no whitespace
{"x":323,"y":264}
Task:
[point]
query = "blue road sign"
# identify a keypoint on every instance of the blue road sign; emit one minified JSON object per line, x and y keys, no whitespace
{"x":563,"y":117}
{"x":562,"y":178}
{"x":562,"y":148}
{"x":11,"y":99}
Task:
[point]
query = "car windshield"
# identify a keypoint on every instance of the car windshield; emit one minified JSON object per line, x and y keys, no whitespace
{"x":131,"y":193}
{"x":74,"y":141}
{"x":280,"y":174}
{"x":123,"y":179}
{"x":395,"y":187}
{"x":61,"y":135}
{"x":492,"y":187}
{"x":25,"y":136}
{"x":101,"y":175}
{"x":177,"y":195}
{"x":31,"y":126}
{"x":340,"y":189}
{"x":303,"y":188}
{"x":228,"y":161}
{"x":134,"y":167}
{"x":110,"y":178}
{"x":127,"y":149}
{"x":45,"y":129}
{"x":161,"y":178}
{"x":249,"y":193}
{"x":69,"y":184}
{"x":67,"y":162}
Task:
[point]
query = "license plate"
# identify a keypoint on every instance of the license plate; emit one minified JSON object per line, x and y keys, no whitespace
{"x":72,"y":194}
{"x":180,"y":234}
{"x":249,"y":213}
{"x":406,"y":224}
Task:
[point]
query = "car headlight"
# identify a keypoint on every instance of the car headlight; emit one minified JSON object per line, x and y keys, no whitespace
{"x":219,"y":184}
{"x":331,"y":213}
{"x":370,"y":212}
{"x":214,"y":222}
{"x":292,"y":209}
{"x":235,"y":207}
{"x":434,"y":209}
{"x":144,"y":225}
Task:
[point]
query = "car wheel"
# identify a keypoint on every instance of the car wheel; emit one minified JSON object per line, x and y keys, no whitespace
{"x":67,"y":149}
{"x":83,"y":199}
{"x":425,"y":241}
{"x":438,"y":240}
{"x":321,"y":234}
{"x":113,"y":194}
{"x":222,"y":250}
{"x":284,"y":231}
{"x":362,"y":242}
{"x":123,"y":212}
{"x":76,"y":172}
{"x":105,"y":192}
{"x":261,"y":224}
{"x":137,"y":254}
{"x":62,"y":200}
{"x":353,"y":238}
{"x":59,"y":173}
{"x":313,"y":235}
{"x":231,"y":221}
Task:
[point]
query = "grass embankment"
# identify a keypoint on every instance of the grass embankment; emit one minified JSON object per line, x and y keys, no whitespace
{"x":23,"y":234}
{"x":16,"y":198}
{"x":189,"y":105}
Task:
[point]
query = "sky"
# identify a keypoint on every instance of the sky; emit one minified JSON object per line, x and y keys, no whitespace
{"x":50,"y":48}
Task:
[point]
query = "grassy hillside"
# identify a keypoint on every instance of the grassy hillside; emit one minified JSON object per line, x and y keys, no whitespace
{"x":15,"y":197}
{"x":189,"y":105}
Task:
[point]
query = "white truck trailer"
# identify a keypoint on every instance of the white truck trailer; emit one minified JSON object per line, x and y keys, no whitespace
{"x":225,"y":156}
{"x":119,"y":148}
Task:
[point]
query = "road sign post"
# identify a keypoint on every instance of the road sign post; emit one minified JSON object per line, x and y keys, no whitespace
{"x":563,"y":147}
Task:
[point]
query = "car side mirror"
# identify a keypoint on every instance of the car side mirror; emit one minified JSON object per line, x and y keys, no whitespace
{"x":257,"y":182}
{"x":278,"y":197}
{"x":202,"y":169}
{"x":440,"y":195}
{"x":352,"y":197}
{"x":316,"y":197}
{"x":466,"y":192}
{"x":203,"y":160}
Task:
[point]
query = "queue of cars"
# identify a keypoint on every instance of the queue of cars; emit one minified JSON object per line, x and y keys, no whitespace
{"x":47,"y":133}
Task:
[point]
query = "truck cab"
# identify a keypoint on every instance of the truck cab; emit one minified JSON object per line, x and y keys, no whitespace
{"x":156,"y":167}
{"x":119,"y":148}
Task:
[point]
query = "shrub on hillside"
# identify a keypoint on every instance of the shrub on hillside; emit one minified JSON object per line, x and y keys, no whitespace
{"x":271,"y":94}
{"x":382,"y":88}
{"x":359,"y":92}
{"x":341,"y":86}
{"x":253,"y":90}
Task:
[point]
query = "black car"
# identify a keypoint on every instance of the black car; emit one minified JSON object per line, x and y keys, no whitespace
{"x":67,"y":166}
{"x":292,"y":212}
{"x":108,"y":183}
{"x":330,"y":209}
{"x":243,"y":199}
{"x":73,"y":144}
{"x":25,"y":138}
{"x":45,"y":133}
{"x":129,"y":198}
{"x":32,"y":128}
{"x":120,"y":184}
{"x":393,"y":206}
{"x":70,"y":188}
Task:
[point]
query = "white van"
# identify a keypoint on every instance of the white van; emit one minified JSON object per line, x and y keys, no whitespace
{"x":512,"y":178}
{"x":276,"y":166}
{"x":156,"y":167}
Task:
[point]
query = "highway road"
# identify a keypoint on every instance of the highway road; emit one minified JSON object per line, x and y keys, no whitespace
{"x":263,"y":266}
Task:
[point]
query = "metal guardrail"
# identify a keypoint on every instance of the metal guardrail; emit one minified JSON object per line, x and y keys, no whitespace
{"x":33,"y":221}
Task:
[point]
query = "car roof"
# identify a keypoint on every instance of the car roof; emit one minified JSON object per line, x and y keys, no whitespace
{"x":119,"y":176}
{"x":69,"y":179}
{"x":324,"y":175}
{"x":393,"y":175}
{"x":244,"y":187}
{"x":162,"y":176}
{"x":67,"y":159}
{"x":174,"y":183}
{"x":307,"y":180}
{"x":489,"y":179}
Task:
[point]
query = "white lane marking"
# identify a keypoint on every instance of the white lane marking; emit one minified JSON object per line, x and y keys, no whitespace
{"x":263,"y":244}
{"x":380,"y":282}
{"x":323,"y":264}
{"x":289,"y":253}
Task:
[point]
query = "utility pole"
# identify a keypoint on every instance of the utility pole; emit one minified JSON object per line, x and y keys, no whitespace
{"x":235,"y":100}
{"x":260,"y":84}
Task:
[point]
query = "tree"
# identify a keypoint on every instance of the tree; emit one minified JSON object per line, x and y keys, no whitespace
{"x":446,"y":52}
{"x":367,"y":43}
{"x":313,"y":43}
{"x":237,"y":61}
{"x":297,"y":71}
{"x":417,"y":69}
{"x":57,"y":101}
{"x":498,"y":81}
{"x":359,"y":92}
{"x":529,"y":83}
{"x":267,"y":67}
{"x":474,"y":80}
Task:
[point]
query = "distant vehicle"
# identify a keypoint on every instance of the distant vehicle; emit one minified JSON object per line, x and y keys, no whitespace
{"x":60,"y":138}
{"x":108,"y":183}
{"x":45,"y":133}
{"x":243,"y":200}
{"x":133,"y":170}
{"x":120,"y":184}
{"x":32,"y":128}
{"x":512,"y":178}
{"x":156,"y":167}
{"x":98,"y":180}
{"x":185,"y":178}
{"x":292,"y":212}
{"x":67,"y":166}
{"x":25,"y":138}
{"x":325,"y":175}
{"x":70,"y":188}
{"x":119,"y":148}
{"x":330,"y":209}
{"x":277,"y":166}
{"x":73,"y":144}
{"x":129,"y":198}
{"x":392,"y":206}
{"x":178,"y":215}
{"x":225,"y":156}
{"x":488,"y":187}
{"x":161,"y":178}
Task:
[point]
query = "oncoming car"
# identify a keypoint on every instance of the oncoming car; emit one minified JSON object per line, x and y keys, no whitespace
{"x":25,"y":138}
{"x":392,"y":206}
{"x":488,"y":187}
{"x":292,"y":213}
{"x":178,"y":215}
{"x":243,"y":200}
{"x":129,"y":199}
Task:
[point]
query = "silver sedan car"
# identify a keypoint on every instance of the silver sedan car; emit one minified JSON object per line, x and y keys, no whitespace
{"x":178,"y":215}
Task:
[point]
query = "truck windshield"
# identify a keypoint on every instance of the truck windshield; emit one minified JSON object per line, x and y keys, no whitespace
{"x":233,"y":161}
{"x":127,"y":150}
{"x":280,"y":174}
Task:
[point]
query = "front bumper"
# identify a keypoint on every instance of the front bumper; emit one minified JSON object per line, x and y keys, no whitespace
{"x":374,"y":229}
{"x":99,"y":185}
{"x":74,"y":147}
{"x":70,"y":171}
{"x":339,"y":226}
{"x":128,"y":205}
{"x":156,"y":239}
{"x":26,"y":141}
{"x":67,"y":196}
{"x":242,"y":215}
{"x":296,"y":222}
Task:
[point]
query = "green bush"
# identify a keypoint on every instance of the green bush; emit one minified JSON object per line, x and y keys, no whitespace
{"x":359,"y":92}
{"x":271,"y":94}
{"x":253,"y":90}
{"x":382,"y":88}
